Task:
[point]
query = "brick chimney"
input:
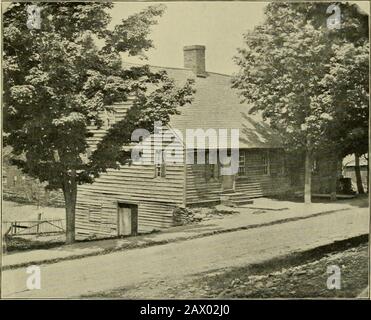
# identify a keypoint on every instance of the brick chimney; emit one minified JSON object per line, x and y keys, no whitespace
{"x":194,"y":59}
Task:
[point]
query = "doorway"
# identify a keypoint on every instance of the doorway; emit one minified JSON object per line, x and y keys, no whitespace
{"x":127,"y":220}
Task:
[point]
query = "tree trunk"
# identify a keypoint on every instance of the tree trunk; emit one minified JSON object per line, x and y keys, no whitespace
{"x":358,"y":175}
{"x":334,"y":177}
{"x":308,"y":178}
{"x":70,"y":193}
{"x":368,"y":176}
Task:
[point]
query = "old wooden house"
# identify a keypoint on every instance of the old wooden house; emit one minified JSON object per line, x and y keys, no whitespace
{"x":144,"y":197}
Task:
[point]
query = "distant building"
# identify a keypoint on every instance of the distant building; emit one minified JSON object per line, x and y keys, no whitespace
{"x":349,"y":171}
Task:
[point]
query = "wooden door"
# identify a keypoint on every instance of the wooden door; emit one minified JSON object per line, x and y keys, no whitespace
{"x":124,"y":221}
{"x":127,"y":219}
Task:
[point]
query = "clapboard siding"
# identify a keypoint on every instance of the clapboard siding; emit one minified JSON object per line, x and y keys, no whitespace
{"x":99,"y":218}
{"x":253,"y":183}
{"x":262,"y":186}
{"x":200,"y":189}
{"x":156,"y":197}
{"x":117,"y":114}
{"x":215,"y":105}
{"x":263,"y":178}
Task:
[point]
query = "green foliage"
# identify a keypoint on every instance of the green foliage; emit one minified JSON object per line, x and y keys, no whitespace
{"x":58,"y":81}
{"x":349,"y":70}
{"x":309,"y":81}
{"x":157,"y":105}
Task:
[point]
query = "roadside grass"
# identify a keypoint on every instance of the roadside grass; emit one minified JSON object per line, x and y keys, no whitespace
{"x":299,"y":275}
{"x":24,"y":243}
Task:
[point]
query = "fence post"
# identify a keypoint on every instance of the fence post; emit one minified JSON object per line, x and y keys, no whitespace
{"x":38,"y":224}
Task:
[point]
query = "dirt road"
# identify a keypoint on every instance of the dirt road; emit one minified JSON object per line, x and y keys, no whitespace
{"x":176,"y":260}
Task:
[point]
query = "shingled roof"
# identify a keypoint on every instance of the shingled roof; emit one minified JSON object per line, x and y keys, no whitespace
{"x":217,"y":106}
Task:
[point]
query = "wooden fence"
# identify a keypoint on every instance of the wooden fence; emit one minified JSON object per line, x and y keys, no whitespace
{"x":33,"y":227}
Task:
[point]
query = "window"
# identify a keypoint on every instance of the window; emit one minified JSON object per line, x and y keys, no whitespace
{"x":266,"y":163}
{"x":160,"y":169}
{"x":242,"y":164}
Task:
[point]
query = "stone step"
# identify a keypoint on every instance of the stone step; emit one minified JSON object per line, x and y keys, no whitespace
{"x":250,"y":192}
{"x":248,"y":188}
{"x":233,"y":194}
{"x":241,"y":195}
{"x":246,"y":197}
{"x":242,"y":202}
{"x":256,"y":195}
{"x":251,"y":183}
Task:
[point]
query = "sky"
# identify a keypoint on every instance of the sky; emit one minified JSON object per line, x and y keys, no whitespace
{"x":217,"y":25}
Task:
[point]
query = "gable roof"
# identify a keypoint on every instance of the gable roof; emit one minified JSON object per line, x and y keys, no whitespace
{"x":217,"y":106}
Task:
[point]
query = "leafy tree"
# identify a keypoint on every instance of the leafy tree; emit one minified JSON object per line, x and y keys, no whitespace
{"x":280,"y":67}
{"x":285,"y":70}
{"x":58,"y":81}
{"x":348,"y":92}
{"x":348,"y":79}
